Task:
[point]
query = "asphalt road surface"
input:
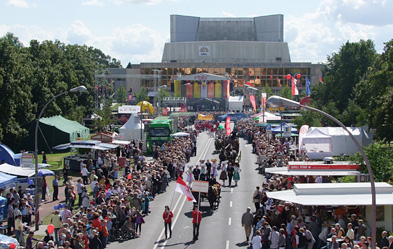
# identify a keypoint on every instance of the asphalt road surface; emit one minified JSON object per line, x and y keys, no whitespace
{"x":220,"y":228}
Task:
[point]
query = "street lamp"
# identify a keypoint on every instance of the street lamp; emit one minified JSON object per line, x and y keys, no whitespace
{"x":277,"y":102}
{"x":36,"y":200}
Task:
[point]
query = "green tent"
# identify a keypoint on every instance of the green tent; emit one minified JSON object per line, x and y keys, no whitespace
{"x":53,"y":131}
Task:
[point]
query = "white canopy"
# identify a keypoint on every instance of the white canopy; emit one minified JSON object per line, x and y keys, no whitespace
{"x":341,"y":141}
{"x":317,"y":144}
{"x":131,"y":129}
{"x":335,"y":194}
{"x":16,"y":170}
{"x":285,"y":171}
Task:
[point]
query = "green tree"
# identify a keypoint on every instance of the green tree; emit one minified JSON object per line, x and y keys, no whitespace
{"x":313,"y":119}
{"x":286,"y":92}
{"x":268,"y":91}
{"x":142,"y":95}
{"x":16,"y":106}
{"x":375,"y":94}
{"x":121,"y":95}
{"x":162,"y":93}
{"x":342,"y":72}
{"x":106,"y":117}
{"x":380,"y":157}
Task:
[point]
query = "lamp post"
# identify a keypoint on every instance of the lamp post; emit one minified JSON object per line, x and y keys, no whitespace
{"x":36,"y":200}
{"x":276,"y":101}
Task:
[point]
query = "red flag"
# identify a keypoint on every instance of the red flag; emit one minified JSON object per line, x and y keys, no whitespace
{"x":295,"y":91}
{"x":182,"y":188}
{"x":228,"y":125}
{"x":252,"y":100}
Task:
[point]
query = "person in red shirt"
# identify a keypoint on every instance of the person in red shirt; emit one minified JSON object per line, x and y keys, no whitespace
{"x":196,"y":221}
{"x":167,"y":216}
{"x":97,"y":223}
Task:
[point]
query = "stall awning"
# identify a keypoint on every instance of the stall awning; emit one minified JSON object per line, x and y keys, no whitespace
{"x":86,"y":144}
{"x":16,"y":170}
{"x":335,"y":194}
{"x":285,"y":171}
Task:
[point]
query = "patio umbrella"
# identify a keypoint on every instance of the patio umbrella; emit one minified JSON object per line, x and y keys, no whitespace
{"x":46,"y":172}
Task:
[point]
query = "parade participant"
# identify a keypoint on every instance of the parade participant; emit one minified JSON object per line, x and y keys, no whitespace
{"x":196,"y":172}
{"x":196,"y":221}
{"x":236,"y":173}
{"x":203,"y":173}
{"x":230,"y":171}
{"x":213,"y":171}
{"x":167,"y":216}
{"x":247,"y":220}
{"x":209,"y":166}
{"x":223,"y":174}
{"x":190,"y":176}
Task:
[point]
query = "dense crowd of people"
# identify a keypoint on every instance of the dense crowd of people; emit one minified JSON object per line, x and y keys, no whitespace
{"x":109,"y":202}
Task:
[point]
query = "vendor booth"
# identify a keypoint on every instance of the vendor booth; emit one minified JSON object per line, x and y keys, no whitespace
{"x":342,"y":194}
{"x":74,"y":161}
{"x":132,"y":129}
{"x":340,"y":140}
{"x":317,"y":145}
{"x":307,"y":168}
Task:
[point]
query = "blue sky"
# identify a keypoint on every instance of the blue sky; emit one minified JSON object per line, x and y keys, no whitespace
{"x":136,"y":30}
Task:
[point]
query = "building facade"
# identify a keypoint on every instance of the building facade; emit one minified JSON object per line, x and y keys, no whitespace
{"x":247,"y":51}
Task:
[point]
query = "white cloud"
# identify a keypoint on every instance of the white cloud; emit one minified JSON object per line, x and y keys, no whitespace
{"x":78,"y":33}
{"x":147,"y":2}
{"x":314,"y":36}
{"x":93,"y":3}
{"x":21,"y":4}
{"x":227,"y":14}
{"x":137,"y":43}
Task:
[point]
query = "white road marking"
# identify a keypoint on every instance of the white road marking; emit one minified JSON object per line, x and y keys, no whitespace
{"x":227,"y":245}
{"x":231,"y":190}
{"x":230,"y":204}
{"x":229,"y":221}
{"x":203,"y":154}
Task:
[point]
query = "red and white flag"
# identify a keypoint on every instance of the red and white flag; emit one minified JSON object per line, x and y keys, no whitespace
{"x":228,"y":125}
{"x":295,"y":91}
{"x":182,"y":188}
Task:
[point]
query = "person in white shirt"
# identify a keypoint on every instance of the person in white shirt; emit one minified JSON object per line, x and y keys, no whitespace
{"x":256,"y":241}
{"x":85,"y":174}
{"x":318,"y":179}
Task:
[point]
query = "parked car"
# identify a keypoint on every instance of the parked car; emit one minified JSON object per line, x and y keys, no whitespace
{"x":234,"y":116}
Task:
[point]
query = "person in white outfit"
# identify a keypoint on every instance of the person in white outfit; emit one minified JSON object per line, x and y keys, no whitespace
{"x":256,"y":241}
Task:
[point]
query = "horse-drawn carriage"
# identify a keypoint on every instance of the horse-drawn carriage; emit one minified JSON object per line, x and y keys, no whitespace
{"x":213,"y":196}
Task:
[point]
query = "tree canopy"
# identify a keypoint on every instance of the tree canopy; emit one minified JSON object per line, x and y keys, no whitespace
{"x":31,"y":76}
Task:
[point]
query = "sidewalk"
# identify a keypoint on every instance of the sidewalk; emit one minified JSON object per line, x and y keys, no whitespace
{"x":46,"y":209}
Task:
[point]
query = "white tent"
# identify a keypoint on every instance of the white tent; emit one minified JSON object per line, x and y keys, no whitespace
{"x":317,"y":144}
{"x":341,"y":141}
{"x":131,"y":129}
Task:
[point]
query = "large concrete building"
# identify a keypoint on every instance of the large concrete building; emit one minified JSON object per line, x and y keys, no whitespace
{"x":247,"y":51}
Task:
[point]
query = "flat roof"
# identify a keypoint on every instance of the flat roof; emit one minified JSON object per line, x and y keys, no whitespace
{"x":335,"y":194}
{"x":285,"y":171}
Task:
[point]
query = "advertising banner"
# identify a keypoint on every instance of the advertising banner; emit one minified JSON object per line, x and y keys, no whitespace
{"x":197,"y":90}
{"x":177,"y":88}
{"x":228,"y":126}
{"x":210,"y":90}
{"x":252,"y":100}
{"x":217,"y":93}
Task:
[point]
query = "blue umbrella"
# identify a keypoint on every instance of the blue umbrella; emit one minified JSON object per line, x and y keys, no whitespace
{"x":46,"y":172}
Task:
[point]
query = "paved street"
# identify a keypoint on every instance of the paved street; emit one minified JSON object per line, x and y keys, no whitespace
{"x":220,"y":229}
